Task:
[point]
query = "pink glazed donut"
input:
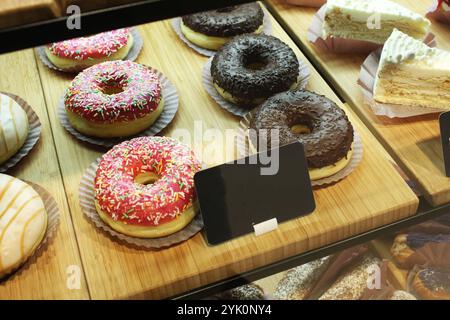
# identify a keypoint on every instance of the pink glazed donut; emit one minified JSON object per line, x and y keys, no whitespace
{"x":80,"y":53}
{"x":144,"y":187}
{"x":114,"y":99}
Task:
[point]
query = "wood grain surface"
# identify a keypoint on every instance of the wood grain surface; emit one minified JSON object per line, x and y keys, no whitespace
{"x":415,"y":142}
{"x":373,"y":195}
{"x":17,"y":12}
{"x":46,"y":276}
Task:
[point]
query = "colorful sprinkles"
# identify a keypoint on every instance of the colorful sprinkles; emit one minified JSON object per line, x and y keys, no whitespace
{"x":93,"y":47}
{"x":148,"y":205}
{"x":139,"y":92}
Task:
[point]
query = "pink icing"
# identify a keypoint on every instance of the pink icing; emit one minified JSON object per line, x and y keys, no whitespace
{"x":140,"y":96}
{"x":147,"y":205}
{"x":97,"y":46}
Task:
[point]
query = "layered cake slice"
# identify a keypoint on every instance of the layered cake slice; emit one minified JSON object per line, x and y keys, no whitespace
{"x":411,"y":73}
{"x":371,"y":20}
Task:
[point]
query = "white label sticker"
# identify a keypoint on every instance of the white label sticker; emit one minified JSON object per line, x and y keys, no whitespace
{"x":266,"y":226}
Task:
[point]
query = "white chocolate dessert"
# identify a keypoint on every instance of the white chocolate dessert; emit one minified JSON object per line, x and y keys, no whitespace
{"x":13,"y":127}
{"x":23,"y":223}
{"x":411,"y":73}
{"x":371,"y":20}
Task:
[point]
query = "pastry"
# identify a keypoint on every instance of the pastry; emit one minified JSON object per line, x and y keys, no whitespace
{"x":114,"y":99}
{"x":144,"y":187}
{"x":80,"y":53}
{"x":407,"y":247}
{"x":245,"y":292}
{"x":402,"y":295}
{"x":251,"y":68}
{"x":212,"y":29}
{"x":23,"y":223}
{"x":432,"y":284}
{"x":411,"y":73}
{"x":298,"y":282}
{"x":352,"y":284}
{"x":317,"y":122}
{"x":371,"y":21}
{"x":13,"y":127}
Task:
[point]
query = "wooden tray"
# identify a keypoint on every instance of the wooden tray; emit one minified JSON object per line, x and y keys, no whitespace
{"x":17,"y":12}
{"x":413,"y":143}
{"x":373,"y":195}
{"x":44,"y":277}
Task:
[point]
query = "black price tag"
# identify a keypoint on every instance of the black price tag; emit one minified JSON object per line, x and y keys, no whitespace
{"x":249,"y":194}
{"x":444,"y":121}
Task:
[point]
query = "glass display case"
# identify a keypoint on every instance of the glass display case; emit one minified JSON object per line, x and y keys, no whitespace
{"x":379,"y":228}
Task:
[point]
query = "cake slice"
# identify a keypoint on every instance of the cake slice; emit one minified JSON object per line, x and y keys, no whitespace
{"x":371,"y":20}
{"x":411,"y":73}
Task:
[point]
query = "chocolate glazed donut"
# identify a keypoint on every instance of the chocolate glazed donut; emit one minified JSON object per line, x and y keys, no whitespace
{"x":227,"y":22}
{"x":327,"y":135}
{"x":250,"y":68}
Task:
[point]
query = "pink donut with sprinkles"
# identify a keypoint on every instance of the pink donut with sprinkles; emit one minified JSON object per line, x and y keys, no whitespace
{"x":80,"y":53}
{"x":144,"y":187}
{"x":114,"y":99}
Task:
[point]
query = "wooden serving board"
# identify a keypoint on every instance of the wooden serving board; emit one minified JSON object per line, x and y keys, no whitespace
{"x":413,"y":143}
{"x":17,"y":12}
{"x":46,"y":276}
{"x":373,"y":195}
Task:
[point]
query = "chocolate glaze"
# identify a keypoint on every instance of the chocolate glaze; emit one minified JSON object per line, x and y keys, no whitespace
{"x":417,"y":240}
{"x":278,"y":67}
{"x":331,"y":134}
{"x":227,"y":22}
{"x":435,"y":279}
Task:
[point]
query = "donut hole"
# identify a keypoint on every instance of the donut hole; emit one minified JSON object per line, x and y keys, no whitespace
{"x":111,"y":87}
{"x":255,"y":62}
{"x":146,"y":178}
{"x":301,"y":126}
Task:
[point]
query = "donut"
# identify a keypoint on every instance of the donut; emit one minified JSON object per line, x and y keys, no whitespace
{"x":250,"y":68}
{"x":317,"y":122}
{"x":14,"y":127}
{"x":80,"y":53}
{"x":144,"y":187}
{"x":212,"y":29}
{"x":23,"y":223}
{"x":114,"y":99}
{"x":432,"y":284}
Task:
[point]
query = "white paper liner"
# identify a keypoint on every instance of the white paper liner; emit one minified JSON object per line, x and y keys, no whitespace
{"x":437,"y":14}
{"x":245,"y":148}
{"x":307,"y":3}
{"x":33,"y":134}
{"x":367,"y":82}
{"x":171,"y":101}
{"x":87,"y":204}
{"x":208,"y":83}
{"x":132,"y":55}
{"x":51,"y":207}
{"x":176,"y":25}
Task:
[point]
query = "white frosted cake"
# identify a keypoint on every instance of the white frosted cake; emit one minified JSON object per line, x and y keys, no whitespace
{"x":371,"y":20}
{"x":411,"y":73}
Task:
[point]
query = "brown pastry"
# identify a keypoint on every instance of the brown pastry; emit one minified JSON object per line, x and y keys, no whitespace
{"x":298,"y":282}
{"x":245,"y":292}
{"x":432,"y":284}
{"x":421,"y":249}
{"x":352,"y":284}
